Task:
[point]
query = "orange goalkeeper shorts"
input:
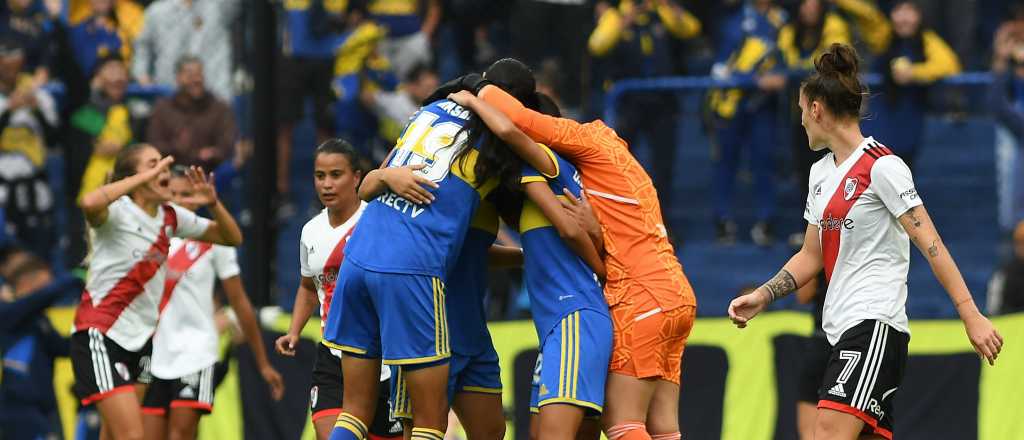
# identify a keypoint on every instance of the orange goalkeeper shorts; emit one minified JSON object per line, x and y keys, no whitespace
{"x":648,"y":342}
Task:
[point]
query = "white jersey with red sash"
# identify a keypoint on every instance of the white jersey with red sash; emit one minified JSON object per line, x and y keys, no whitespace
{"x":186,"y":337}
{"x":126,"y":270}
{"x":321,"y":251}
{"x":866,"y":252}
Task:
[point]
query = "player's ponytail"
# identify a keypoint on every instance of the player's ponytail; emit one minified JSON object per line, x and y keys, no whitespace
{"x":836,"y":82}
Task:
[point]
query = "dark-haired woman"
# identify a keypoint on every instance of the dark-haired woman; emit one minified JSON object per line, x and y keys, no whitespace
{"x":390,"y":295}
{"x":861,"y":208}
{"x":916,"y":58}
{"x":801,"y":42}
{"x":651,"y":303}
{"x":132,"y":223}
{"x":337,"y":171}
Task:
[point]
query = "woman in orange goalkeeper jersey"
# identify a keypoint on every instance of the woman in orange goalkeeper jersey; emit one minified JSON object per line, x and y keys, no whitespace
{"x":651,"y":301}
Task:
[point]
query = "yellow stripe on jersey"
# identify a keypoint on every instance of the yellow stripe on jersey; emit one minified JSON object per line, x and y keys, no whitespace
{"x":437,"y":317}
{"x":562,"y":355}
{"x":530,"y":179}
{"x":532,"y":217}
{"x":551,"y":155}
{"x":576,"y":352}
{"x":393,"y":7}
{"x":465,"y":166}
{"x":486,"y":218}
{"x":445,"y":344}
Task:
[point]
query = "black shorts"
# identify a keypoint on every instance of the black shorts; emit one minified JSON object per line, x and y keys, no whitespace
{"x":812,"y":373}
{"x":325,"y":395}
{"x":865,"y":369}
{"x":102,"y":367}
{"x":192,"y":391}
{"x":301,"y":78}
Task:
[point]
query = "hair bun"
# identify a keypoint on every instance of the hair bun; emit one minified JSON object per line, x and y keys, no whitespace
{"x":838,"y":60}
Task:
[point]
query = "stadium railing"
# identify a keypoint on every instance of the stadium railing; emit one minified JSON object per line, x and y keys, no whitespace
{"x":696,"y":83}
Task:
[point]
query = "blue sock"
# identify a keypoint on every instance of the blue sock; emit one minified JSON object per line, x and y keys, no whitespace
{"x":348,"y":427}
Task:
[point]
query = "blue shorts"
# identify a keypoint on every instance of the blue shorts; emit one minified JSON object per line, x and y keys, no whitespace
{"x":406,"y":312}
{"x":466,"y":374}
{"x":572,"y":365}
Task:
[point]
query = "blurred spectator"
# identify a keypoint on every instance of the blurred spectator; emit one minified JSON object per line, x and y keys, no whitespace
{"x":175,"y":28}
{"x":1006,"y":101}
{"x":747,"y":119}
{"x":1006,"y":288}
{"x":28,"y":114}
{"x":27,"y":201}
{"x":801,"y":42}
{"x":955,"y":21}
{"x":870,"y":24}
{"x":360,"y":66}
{"x":29,"y":343}
{"x":634,"y":41}
{"x":29,"y":25}
{"x":98,"y":130}
{"x":395,"y":108}
{"x":103,"y":30}
{"x":101,"y":127}
{"x":193,"y":125}
{"x":916,"y":58}
{"x":554,"y":30}
{"x":410,"y":25}
{"x":312,"y":33}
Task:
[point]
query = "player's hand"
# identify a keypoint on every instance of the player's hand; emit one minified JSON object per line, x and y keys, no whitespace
{"x":746,"y":307}
{"x":581,"y":211}
{"x":273,"y":378}
{"x":411,"y":186}
{"x":160,"y":168}
{"x":984,"y":337}
{"x":285,"y":345}
{"x":463,"y":97}
{"x":204,"y":193}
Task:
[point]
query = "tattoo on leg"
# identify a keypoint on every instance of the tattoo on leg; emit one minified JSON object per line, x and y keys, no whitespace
{"x":781,"y":284}
{"x":933,"y":250}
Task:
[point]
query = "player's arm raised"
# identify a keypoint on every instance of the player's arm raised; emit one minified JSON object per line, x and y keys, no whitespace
{"x":800,"y":269}
{"x":567,"y":137}
{"x":223,"y":229}
{"x":982,"y":334}
{"x":570,"y":231}
{"x":506,"y":130}
{"x":94,"y":203}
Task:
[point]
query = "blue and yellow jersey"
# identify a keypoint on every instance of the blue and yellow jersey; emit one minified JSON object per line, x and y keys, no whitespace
{"x":559,"y":281}
{"x":401,"y":17}
{"x":467,"y":283}
{"x":399,"y":236}
{"x":298,"y":38}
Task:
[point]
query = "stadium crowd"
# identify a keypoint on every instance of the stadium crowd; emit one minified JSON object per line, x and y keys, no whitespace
{"x":81,"y":80}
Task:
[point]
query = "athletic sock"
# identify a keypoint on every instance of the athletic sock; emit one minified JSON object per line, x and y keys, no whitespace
{"x":628,"y":431}
{"x":348,"y":427}
{"x":669,"y":436}
{"x":426,"y":434}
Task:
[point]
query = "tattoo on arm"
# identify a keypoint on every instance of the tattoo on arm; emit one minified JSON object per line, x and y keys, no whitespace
{"x":933,"y":250}
{"x":913,"y":217}
{"x":781,"y":284}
